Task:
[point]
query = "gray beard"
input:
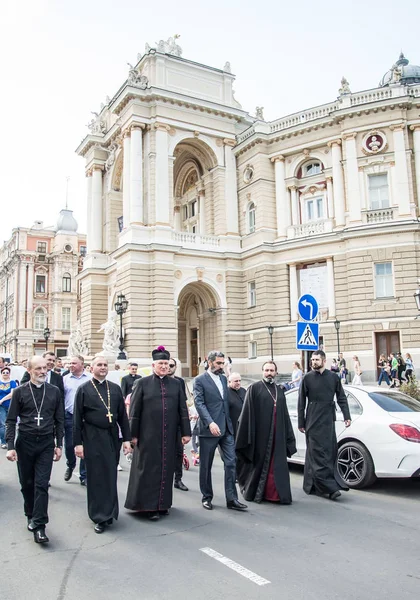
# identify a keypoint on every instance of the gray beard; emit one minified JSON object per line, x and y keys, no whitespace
{"x":267,"y":380}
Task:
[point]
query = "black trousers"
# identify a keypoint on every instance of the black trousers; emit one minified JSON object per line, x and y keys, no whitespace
{"x":179,"y":455}
{"x":208,"y":447}
{"x":35,"y":459}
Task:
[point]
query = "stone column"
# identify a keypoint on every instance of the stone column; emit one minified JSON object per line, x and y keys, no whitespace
{"x":401,"y":183}
{"x":162,"y":175}
{"x":96,"y":214}
{"x":89,"y":209}
{"x":294,"y":203}
{"x":202,"y":212}
{"x":31,"y":291}
{"x":126,"y":178}
{"x":293,"y":292}
{"x":330,"y":198}
{"x":177,"y":218}
{"x":282,"y":198}
{"x":416,"y":143}
{"x":337,"y":171}
{"x":231,"y":189}
{"x":136,"y":175}
{"x":331,"y":287}
{"x":353,"y":190}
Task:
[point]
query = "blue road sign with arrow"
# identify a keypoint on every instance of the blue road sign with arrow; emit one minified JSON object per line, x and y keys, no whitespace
{"x":307,"y":307}
{"x":307,"y":336}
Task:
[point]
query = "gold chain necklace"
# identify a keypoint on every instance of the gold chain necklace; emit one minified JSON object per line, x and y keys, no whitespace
{"x":271,"y":395}
{"x":108,"y":414}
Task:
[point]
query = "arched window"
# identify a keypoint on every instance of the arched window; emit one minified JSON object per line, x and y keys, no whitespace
{"x":39,"y":319}
{"x":312,"y":168}
{"x":251,"y":217}
{"x":66,"y":282}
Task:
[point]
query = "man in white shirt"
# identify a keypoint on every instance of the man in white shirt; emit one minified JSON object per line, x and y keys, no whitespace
{"x":72,"y":381}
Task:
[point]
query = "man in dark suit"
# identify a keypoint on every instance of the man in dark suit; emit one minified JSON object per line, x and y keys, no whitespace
{"x":216,"y":429}
{"x":52,"y":378}
{"x":127,"y":381}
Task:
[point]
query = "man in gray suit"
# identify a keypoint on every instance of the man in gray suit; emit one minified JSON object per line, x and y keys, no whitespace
{"x":216,"y":429}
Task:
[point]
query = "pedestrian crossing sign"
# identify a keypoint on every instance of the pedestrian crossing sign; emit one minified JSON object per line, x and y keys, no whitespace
{"x":307,"y":336}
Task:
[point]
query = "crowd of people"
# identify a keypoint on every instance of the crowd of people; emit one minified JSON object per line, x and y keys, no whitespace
{"x":151,"y":418}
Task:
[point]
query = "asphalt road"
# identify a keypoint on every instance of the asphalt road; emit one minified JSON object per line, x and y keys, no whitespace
{"x":364,"y":546}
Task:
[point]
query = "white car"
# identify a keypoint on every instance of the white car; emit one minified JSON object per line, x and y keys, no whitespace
{"x":383,"y":439}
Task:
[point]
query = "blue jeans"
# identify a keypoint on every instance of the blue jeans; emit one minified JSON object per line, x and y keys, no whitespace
{"x":384,"y":375}
{"x":69,"y":448}
{"x":3,"y":416}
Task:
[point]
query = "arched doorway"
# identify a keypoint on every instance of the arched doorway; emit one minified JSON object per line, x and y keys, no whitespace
{"x":200,"y":325}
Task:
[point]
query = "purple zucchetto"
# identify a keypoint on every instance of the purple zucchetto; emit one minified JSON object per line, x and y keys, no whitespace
{"x":160,"y":353}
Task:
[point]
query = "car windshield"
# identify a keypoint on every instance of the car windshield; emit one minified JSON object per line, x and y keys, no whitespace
{"x":395,"y":401}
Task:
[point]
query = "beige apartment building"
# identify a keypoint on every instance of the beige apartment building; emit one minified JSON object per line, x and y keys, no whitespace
{"x":38,"y":287}
{"x":213,"y":222}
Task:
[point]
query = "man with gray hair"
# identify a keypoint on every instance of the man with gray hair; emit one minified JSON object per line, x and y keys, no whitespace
{"x":216,"y":429}
{"x":236,"y":397}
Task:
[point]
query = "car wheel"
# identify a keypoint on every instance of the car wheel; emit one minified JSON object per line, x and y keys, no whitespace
{"x":355,"y":465}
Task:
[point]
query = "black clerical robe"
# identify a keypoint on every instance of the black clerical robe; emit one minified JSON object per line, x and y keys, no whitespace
{"x":259,"y":439}
{"x":316,"y":414}
{"x":99,"y":437}
{"x":157,"y":409}
{"x":236,"y":402}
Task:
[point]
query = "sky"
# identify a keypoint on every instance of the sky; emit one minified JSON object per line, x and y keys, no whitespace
{"x":60,"y":59}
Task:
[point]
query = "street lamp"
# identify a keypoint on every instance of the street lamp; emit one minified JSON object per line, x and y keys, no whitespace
{"x":47,"y":334}
{"x":270,"y":333}
{"x":121,"y":306}
{"x":417,"y":298}
{"x":337,"y":328}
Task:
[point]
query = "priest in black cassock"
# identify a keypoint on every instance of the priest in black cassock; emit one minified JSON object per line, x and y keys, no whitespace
{"x":40,"y":410}
{"x":157,"y":409}
{"x":98,"y":411}
{"x":264,"y":440}
{"x":316,"y":419}
{"x":236,"y":397}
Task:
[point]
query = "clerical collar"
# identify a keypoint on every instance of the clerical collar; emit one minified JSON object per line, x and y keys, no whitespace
{"x":37,"y":385}
{"x":99,"y":380}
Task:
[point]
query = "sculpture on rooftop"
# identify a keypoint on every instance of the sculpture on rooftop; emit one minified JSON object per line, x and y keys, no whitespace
{"x":168,"y":47}
{"x":345,"y":87}
{"x":136,"y":79}
{"x":259,"y":113}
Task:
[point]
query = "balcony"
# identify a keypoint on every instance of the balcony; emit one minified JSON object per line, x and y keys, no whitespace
{"x":183,"y":238}
{"x":308,"y":229}
{"x":380,"y":215}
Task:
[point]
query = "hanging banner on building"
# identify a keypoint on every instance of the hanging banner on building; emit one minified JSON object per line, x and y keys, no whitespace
{"x":314,"y":281}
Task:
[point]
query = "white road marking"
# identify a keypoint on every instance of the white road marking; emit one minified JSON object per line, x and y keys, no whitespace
{"x":235,"y":566}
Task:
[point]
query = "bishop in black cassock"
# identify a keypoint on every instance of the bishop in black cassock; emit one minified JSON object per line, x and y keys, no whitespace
{"x":316,"y":418}
{"x":95,"y":429}
{"x":264,"y":440}
{"x":157,"y":409}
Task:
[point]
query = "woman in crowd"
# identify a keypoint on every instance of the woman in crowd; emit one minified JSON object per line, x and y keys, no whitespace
{"x":409,"y":367}
{"x":357,"y":379}
{"x":6,"y":387}
{"x":383,"y":364}
{"x":297,"y":375}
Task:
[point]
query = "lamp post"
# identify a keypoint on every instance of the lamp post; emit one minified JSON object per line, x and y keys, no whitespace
{"x":417,"y":297}
{"x":270,"y":333}
{"x":47,"y":334}
{"x":337,"y":328}
{"x":121,"y":306}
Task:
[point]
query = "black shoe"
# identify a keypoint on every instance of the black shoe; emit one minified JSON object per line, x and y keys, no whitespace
{"x":99,"y":528}
{"x":153,"y":515}
{"x":236,"y":505}
{"x":180,"y":485}
{"x":207,"y":505}
{"x":68,"y":474}
{"x":40,"y":537}
{"x":110,"y":521}
{"x":83,"y":482}
{"x":335,"y":495}
{"x":164,"y":513}
{"x":30,"y":525}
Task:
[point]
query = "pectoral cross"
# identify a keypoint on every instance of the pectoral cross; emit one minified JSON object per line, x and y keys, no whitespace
{"x":38,"y":419}
{"x":109,"y":415}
